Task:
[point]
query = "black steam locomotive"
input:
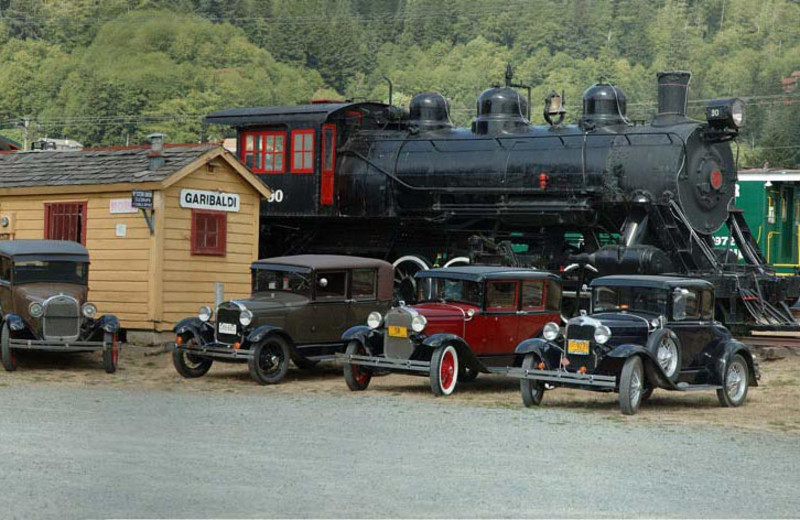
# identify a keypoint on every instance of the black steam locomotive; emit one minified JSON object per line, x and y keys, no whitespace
{"x":605,"y":196}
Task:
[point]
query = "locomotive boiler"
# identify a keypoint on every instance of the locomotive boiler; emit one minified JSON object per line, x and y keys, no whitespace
{"x":602,"y":196}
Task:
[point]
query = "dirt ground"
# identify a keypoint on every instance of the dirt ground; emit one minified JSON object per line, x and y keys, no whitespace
{"x":773,"y":406}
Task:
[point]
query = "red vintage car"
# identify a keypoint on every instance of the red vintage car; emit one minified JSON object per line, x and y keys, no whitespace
{"x":467,"y":320}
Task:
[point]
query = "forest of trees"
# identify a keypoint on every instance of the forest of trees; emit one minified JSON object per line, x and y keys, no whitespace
{"x":109,"y":72}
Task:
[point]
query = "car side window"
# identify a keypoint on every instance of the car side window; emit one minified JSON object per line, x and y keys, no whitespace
{"x":331,"y":285}
{"x":686,"y":305}
{"x":363,"y":284}
{"x":5,"y":270}
{"x":501,"y":296}
{"x":533,"y":295}
{"x":707,"y":309}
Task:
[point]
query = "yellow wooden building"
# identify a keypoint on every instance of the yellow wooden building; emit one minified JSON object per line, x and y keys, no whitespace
{"x":204,"y":221}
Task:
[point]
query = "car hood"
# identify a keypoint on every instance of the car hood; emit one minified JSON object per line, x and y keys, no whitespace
{"x":444,"y":311}
{"x":625,"y":327}
{"x":27,"y":293}
{"x":272,"y":304}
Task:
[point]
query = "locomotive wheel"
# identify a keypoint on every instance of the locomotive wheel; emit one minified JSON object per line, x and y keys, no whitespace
{"x":444,"y":370}
{"x":405,"y":286}
{"x":357,"y":377}
{"x":532,"y":391}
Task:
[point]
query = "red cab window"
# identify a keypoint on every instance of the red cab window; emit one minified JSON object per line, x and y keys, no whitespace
{"x":65,"y":221}
{"x":209,"y":232}
{"x":501,"y":296}
{"x":328,"y":161}
{"x":303,"y":151}
{"x":264,"y":152}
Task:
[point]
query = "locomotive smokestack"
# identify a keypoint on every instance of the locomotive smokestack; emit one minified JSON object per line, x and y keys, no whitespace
{"x":673,"y":93}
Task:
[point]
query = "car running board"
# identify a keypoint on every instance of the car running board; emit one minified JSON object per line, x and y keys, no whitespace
{"x":686,"y":387}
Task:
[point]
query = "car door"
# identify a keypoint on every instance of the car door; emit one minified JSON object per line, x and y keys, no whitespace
{"x":500,"y":319}
{"x":532,"y":315}
{"x":363,"y":296}
{"x":692,"y":323}
{"x":331,"y":306}
{"x":6,"y":300}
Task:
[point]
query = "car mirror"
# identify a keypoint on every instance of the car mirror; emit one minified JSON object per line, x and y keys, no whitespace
{"x":323,"y":282}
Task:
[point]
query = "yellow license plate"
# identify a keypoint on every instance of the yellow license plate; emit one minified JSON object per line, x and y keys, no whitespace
{"x":578,"y":346}
{"x":398,"y":332}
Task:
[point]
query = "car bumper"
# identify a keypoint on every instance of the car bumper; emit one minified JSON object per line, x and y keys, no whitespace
{"x":214,"y":351}
{"x":56,"y":346}
{"x":405,"y":365}
{"x":563,"y":377}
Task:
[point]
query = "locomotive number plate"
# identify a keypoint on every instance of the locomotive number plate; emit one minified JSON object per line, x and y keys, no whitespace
{"x":398,"y":332}
{"x":578,"y":346}
{"x":227,"y":328}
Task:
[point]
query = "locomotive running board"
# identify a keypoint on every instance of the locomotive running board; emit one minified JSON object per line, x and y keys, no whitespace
{"x":558,"y":376}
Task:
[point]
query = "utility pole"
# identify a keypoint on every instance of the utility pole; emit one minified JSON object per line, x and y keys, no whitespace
{"x":26,"y":123}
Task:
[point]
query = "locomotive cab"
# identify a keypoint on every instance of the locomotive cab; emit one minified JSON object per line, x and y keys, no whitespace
{"x":293,"y":149}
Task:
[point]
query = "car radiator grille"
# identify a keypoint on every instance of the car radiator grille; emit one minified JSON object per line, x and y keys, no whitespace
{"x":228,"y":314}
{"x":582,"y":332}
{"x":61,"y":318}
{"x":397,"y":347}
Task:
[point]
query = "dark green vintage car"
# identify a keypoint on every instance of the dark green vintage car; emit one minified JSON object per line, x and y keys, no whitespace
{"x":299,"y":309}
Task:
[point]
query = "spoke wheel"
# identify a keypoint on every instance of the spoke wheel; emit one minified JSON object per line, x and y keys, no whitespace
{"x":532,"y":391}
{"x":270,"y":361}
{"x":189,"y":365}
{"x":668,"y":357}
{"x":736,"y":383}
{"x":357,"y":377}
{"x":444,"y":370}
{"x":110,"y":353}
{"x":631,"y":385}
{"x":7,"y":354}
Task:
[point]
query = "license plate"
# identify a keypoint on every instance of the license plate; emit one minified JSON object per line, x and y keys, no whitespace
{"x":578,"y":346}
{"x":398,"y":332}
{"x":227,"y":328}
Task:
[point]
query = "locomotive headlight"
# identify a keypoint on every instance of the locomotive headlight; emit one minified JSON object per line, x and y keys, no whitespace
{"x":246,"y":317}
{"x":89,"y":310}
{"x":374,"y":320}
{"x":551,"y":331}
{"x":204,"y":313}
{"x":725,"y":113}
{"x":602,"y":334}
{"x":418,"y":323}
{"x":35,"y":309}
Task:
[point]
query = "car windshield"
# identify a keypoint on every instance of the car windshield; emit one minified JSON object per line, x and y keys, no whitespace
{"x":634,"y":299}
{"x":449,"y":290}
{"x":269,"y":280}
{"x":31,"y":271}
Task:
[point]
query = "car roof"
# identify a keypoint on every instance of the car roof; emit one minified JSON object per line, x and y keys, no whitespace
{"x":486,"y":272}
{"x":654,"y":281}
{"x":64,"y":249}
{"x":321,"y":262}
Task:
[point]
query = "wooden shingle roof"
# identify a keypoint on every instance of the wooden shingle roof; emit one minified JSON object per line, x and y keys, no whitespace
{"x":111,"y":166}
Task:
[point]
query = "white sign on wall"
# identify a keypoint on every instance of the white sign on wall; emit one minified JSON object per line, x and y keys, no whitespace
{"x":121,"y":206}
{"x":212,"y":200}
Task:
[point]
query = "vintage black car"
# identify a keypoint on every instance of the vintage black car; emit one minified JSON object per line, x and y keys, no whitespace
{"x":466,"y":320}
{"x":299,"y":309}
{"x":43,"y":291}
{"x":644,"y":332}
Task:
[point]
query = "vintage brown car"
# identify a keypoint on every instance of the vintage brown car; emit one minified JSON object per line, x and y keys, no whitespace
{"x":299,"y":309}
{"x":43,"y":291}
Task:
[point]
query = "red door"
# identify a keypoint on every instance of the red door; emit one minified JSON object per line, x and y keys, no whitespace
{"x":495,"y":330}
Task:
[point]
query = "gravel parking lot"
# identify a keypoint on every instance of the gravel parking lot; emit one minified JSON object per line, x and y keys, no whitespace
{"x":78,"y":443}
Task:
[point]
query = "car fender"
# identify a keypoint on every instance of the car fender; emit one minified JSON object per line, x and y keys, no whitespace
{"x":258,"y":334}
{"x":547,"y":351}
{"x":730,"y":348}
{"x":16,"y":323}
{"x":652,"y":369}
{"x":369,"y":338}
{"x":109,"y":323}
{"x":462,"y":348}
{"x":201,"y":330}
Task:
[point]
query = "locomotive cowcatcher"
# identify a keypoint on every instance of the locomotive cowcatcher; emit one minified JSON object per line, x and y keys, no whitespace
{"x":467,"y":320}
{"x":603,"y":196}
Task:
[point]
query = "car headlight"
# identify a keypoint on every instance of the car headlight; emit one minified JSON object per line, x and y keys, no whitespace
{"x":602,"y":334}
{"x":36,"y":309}
{"x":246,"y":317}
{"x":204,"y":313}
{"x":418,"y":323}
{"x":89,"y":310}
{"x":374,"y":320}
{"x":551,"y":331}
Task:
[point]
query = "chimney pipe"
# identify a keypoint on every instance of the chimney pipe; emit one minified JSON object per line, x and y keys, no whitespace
{"x":673,"y":93}
{"x":156,"y":155}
